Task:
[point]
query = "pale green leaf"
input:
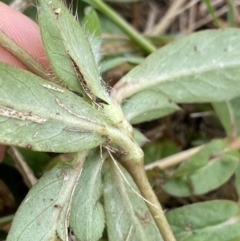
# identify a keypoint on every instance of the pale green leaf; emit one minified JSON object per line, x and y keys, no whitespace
{"x":87,"y":220}
{"x":213,"y":220}
{"x":54,"y":46}
{"x":159,"y":149}
{"x":214,"y":174}
{"x":44,"y":213}
{"x":92,"y":26}
{"x":77,"y":44}
{"x":204,"y":172}
{"x":140,"y":138}
{"x":44,"y":117}
{"x":237,"y":180}
{"x":91,"y":22}
{"x":202,"y":67}
{"x":199,"y":160}
{"x":116,"y":61}
{"x":127,"y":216}
{"x":229,"y":115}
{"x":147,"y":105}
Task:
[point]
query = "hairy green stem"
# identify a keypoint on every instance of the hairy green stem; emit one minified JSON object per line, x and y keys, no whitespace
{"x":142,"y":42}
{"x":136,"y":169}
{"x":132,"y":160}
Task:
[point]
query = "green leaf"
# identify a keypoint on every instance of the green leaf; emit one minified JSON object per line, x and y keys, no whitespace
{"x":44,"y":213}
{"x":91,"y":22}
{"x":140,"y":138}
{"x":147,"y":105}
{"x":45,"y":117}
{"x":116,"y":61}
{"x":203,"y":67}
{"x":87,"y":216}
{"x":213,"y":220}
{"x":229,"y":115}
{"x":92,"y":26}
{"x":35,"y":160}
{"x":78,"y":47}
{"x":54,"y":46}
{"x":159,"y":149}
{"x":214,"y":174}
{"x":127,"y":216}
{"x":204,"y":172}
{"x":199,"y":160}
{"x":237,"y":180}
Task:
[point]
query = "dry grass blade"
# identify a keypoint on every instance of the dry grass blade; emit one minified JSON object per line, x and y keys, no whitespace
{"x":22,"y":166}
{"x":168,"y":17}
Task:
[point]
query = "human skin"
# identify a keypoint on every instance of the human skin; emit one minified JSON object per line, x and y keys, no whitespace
{"x":26,"y":34}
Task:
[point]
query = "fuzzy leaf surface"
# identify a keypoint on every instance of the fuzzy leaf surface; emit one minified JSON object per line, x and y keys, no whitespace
{"x":212,"y":220}
{"x":37,"y":120}
{"x":202,"y":67}
{"x":87,"y":219}
{"x":44,"y":213}
{"x":54,"y":46}
{"x":127,"y":216}
{"x":77,"y":44}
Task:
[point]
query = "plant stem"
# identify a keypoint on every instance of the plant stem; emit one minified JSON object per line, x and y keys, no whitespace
{"x":136,"y":169}
{"x":174,"y":159}
{"x":5,"y":220}
{"x":23,"y":56}
{"x":184,"y":155}
{"x":133,"y":161}
{"x":142,"y":42}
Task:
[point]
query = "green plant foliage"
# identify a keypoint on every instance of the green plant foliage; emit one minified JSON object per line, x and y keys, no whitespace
{"x":202,"y":67}
{"x":139,"y":137}
{"x":91,"y":22}
{"x":229,"y":115}
{"x":35,"y":118}
{"x":205,"y":171}
{"x":87,"y":218}
{"x":114,"y":62}
{"x":54,"y":46}
{"x":92,"y":26}
{"x":237,"y":180}
{"x":75,"y":114}
{"x":139,"y":108}
{"x":35,"y":160}
{"x":213,"y":220}
{"x":127,"y":216}
{"x":77,"y":45}
{"x":158,"y":150}
{"x":44,"y":213}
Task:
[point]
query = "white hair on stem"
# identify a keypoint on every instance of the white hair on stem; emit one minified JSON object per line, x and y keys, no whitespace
{"x":125,"y":179}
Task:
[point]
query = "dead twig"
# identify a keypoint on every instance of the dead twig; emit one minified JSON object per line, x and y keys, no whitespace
{"x":184,"y":155}
{"x":22,"y":166}
{"x":170,"y":15}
